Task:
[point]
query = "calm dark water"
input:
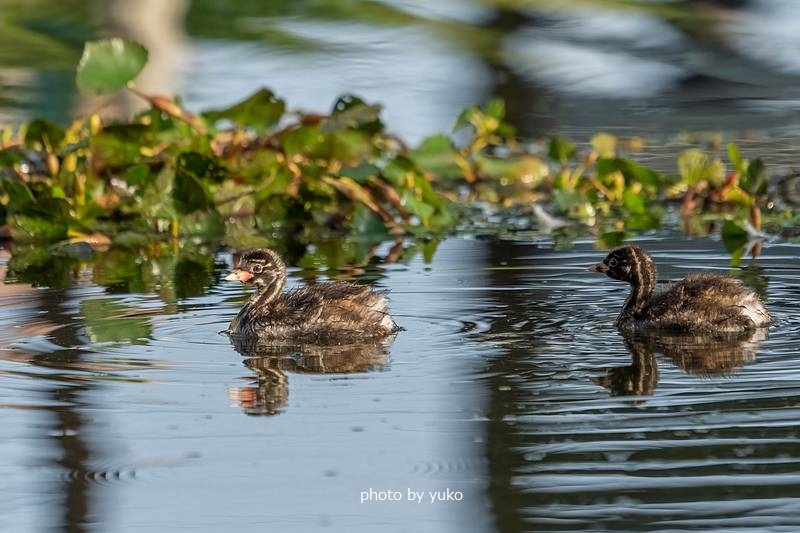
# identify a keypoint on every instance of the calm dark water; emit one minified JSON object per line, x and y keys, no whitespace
{"x":125,"y":412}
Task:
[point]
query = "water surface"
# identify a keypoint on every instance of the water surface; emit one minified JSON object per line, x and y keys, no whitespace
{"x":127,"y":411}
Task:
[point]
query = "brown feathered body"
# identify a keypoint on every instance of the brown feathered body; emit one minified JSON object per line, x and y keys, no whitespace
{"x":699,"y":302}
{"x":333,"y":311}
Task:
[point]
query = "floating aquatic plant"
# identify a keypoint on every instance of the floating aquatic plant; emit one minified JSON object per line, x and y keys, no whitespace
{"x":256,"y":173}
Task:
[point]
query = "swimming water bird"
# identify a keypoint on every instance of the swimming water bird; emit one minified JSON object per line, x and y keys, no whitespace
{"x":699,"y":302}
{"x":334,"y":311}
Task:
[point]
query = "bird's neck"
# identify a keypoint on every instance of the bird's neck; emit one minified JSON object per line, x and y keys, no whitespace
{"x":266,"y":293}
{"x":642,"y":284}
{"x":640,"y":295}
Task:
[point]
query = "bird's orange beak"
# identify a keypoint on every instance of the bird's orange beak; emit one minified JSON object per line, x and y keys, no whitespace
{"x":599,"y":267}
{"x":239,"y":275}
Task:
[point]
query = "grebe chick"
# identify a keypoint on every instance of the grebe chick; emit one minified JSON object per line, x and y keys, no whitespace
{"x":334,"y":311}
{"x":699,"y":302}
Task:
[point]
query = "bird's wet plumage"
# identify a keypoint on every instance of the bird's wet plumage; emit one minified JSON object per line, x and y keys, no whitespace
{"x":334,"y":311}
{"x":699,"y":302}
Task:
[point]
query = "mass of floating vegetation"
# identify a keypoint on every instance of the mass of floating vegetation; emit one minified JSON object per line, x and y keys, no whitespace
{"x":256,"y":173}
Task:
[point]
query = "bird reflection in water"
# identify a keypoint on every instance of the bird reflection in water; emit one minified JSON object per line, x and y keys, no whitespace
{"x":703,"y":355}
{"x":269,"y":391}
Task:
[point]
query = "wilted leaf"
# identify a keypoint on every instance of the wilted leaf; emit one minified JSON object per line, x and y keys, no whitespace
{"x":604,"y":144}
{"x":736,"y":195}
{"x":108,"y":65}
{"x":695,"y":166}
{"x":358,"y":194}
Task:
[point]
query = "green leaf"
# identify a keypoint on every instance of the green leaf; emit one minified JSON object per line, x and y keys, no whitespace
{"x":642,"y":221}
{"x":644,"y":175}
{"x":19,"y":194}
{"x":754,"y":180}
{"x":561,"y":150}
{"x":495,"y":108}
{"x":360,"y":173}
{"x":417,"y":207}
{"x":611,"y":239}
{"x":108,"y":65}
{"x":9,"y":157}
{"x":202,"y":167}
{"x":120,"y":145}
{"x":39,"y":266}
{"x":398,"y":169}
{"x":345,"y":146}
{"x":734,"y":237}
{"x":260,"y":110}
{"x":367,"y":224}
{"x":567,"y":199}
{"x":302,"y":140}
{"x":139,"y":175}
{"x":55,"y":209}
{"x":26,"y":227}
{"x":633,"y":202}
{"x":352,"y":112}
{"x":437,"y":154}
{"x":189,"y":194}
{"x":735,"y":156}
{"x":203,"y":223}
{"x":466,"y":117}
{"x":631,"y":171}
{"x":43,"y":135}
